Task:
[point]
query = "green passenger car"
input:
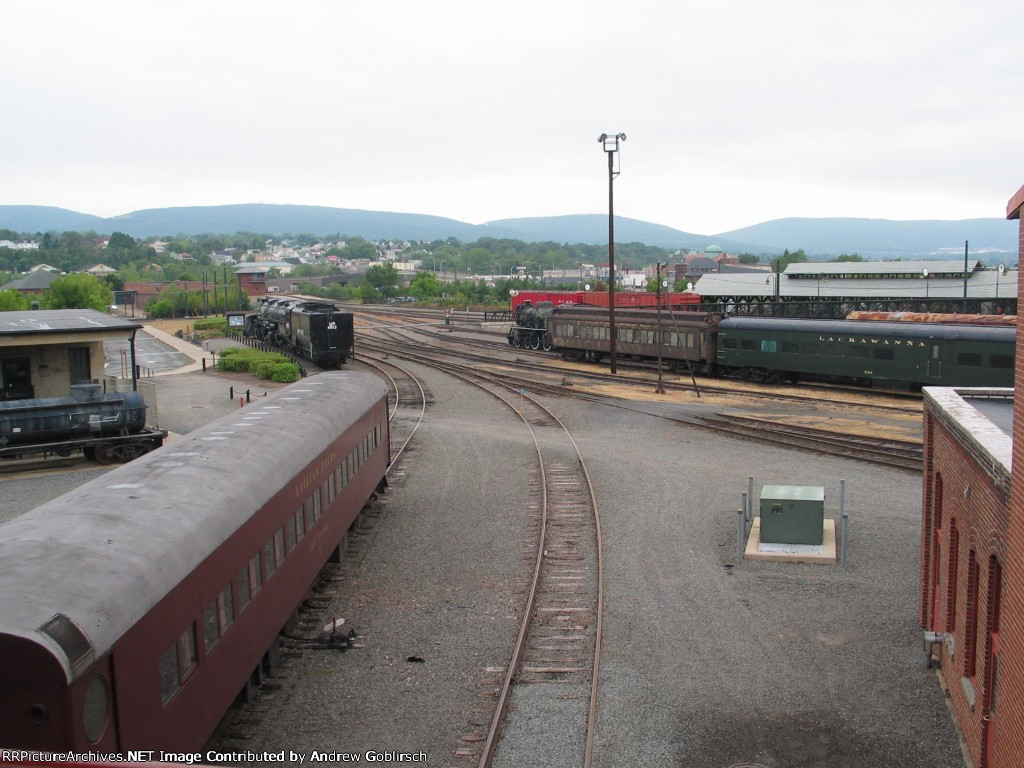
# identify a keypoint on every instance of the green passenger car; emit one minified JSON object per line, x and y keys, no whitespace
{"x":918,"y":354}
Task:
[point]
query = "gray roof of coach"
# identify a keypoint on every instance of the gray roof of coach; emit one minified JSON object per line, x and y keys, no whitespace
{"x":108,"y":551}
{"x":873,"y":328}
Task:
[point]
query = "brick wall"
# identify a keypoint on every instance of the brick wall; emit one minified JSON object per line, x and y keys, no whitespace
{"x":964,"y":533}
{"x":1009,"y":722}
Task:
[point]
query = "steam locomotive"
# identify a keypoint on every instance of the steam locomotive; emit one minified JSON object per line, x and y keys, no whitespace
{"x":314,"y":330}
{"x":530,"y":325}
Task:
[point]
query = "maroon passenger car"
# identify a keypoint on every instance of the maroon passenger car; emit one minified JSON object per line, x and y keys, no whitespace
{"x":136,"y":608}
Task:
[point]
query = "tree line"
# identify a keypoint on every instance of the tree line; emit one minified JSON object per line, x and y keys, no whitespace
{"x":465,"y":262}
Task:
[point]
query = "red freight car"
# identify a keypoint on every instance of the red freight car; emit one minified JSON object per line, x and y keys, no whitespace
{"x":135,"y":609}
{"x":600,"y":298}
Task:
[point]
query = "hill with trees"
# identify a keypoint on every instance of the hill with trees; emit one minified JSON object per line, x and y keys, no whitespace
{"x":825,"y":237}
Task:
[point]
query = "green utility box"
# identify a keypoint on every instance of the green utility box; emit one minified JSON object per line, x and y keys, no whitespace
{"x":792,"y":514}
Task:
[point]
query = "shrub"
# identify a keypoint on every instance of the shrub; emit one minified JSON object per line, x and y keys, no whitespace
{"x":264,"y":365}
{"x":218,"y":324}
{"x":285,"y":373}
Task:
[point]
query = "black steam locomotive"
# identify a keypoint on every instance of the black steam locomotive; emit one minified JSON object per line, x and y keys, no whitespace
{"x":314,"y":330}
{"x":530,"y":325}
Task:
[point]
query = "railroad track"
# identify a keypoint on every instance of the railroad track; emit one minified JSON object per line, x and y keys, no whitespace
{"x":426,"y":337}
{"x":554,"y":666}
{"x":894,"y":453}
{"x":407,"y":402}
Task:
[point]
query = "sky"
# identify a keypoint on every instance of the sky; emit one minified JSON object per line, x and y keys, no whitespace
{"x":735,"y":111}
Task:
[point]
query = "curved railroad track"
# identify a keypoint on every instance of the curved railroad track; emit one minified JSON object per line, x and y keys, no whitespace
{"x":407,"y":402}
{"x":555,"y":664}
{"x":428,"y":334}
{"x":903,"y":454}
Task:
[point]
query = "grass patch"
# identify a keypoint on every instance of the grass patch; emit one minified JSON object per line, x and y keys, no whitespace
{"x":218,"y":324}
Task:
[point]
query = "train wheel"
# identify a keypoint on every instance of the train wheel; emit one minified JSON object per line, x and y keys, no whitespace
{"x":128,"y":451}
{"x":104,"y":453}
{"x":546,"y":343}
{"x":535,"y":341}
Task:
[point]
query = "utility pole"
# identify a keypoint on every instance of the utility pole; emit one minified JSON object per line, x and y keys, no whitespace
{"x":611,"y":148}
{"x":965,"y":276}
{"x":661,"y":335}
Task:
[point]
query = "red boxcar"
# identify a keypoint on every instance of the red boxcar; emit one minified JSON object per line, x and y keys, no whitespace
{"x":600,"y":298}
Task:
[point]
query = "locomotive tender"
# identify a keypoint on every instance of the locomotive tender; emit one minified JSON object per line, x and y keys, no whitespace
{"x":315,"y":330}
{"x":788,"y":350}
{"x":136,"y":608}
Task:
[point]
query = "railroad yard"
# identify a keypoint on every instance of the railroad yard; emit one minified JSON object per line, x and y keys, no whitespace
{"x":621,"y":504}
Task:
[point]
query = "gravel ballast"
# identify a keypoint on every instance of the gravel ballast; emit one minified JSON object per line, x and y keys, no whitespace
{"x":707,"y":662}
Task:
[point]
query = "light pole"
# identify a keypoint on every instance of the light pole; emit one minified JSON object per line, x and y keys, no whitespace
{"x":610,"y":145}
{"x":927,"y":291}
{"x":661,"y":387}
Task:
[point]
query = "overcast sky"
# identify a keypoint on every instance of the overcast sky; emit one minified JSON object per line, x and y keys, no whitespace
{"x":735,"y":111}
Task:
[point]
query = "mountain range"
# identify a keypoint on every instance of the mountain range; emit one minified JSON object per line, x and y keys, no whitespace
{"x":825,"y":237}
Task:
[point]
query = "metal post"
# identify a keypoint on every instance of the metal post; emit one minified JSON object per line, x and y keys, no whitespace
{"x":746,"y":506}
{"x":661,"y":336}
{"x":740,"y":530}
{"x":842,"y":521}
{"x":611,"y":262}
{"x":965,"y":276}
{"x":611,"y":148}
{"x":750,"y":498}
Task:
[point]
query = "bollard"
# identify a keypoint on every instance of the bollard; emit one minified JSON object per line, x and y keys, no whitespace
{"x":231,"y":392}
{"x":842,"y":522}
{"x":204,"y":365}
{"x":241,"y":402}
{"x":750,"y":498}
{"x":248,"y":396}
{"x":740,"y":530}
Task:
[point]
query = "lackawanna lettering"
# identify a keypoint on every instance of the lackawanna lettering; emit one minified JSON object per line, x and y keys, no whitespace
{"x":312,"y":478}
{"x":883,"y":342}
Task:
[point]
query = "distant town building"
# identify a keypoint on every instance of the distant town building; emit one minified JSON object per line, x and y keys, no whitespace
{"x":36,"y":282}
{"x":101,"y":270}
{"x":21,"y":245}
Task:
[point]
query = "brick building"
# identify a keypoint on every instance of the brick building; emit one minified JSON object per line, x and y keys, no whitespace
{"x":972,"y":558}
{"x":1009,"y":748}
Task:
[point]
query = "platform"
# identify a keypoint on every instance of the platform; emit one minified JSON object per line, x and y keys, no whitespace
{"x":822,"y":554}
